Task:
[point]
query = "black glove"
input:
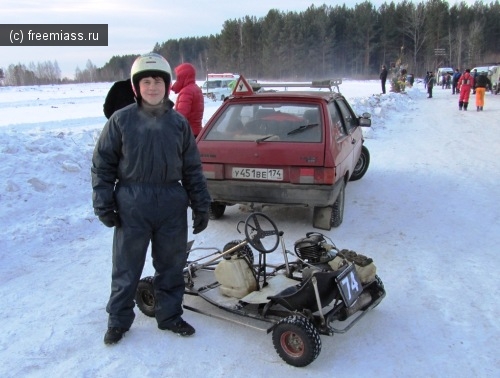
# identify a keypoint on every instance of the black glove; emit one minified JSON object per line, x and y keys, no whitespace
{"x":200,"y":222}
{"x":110,"y":219}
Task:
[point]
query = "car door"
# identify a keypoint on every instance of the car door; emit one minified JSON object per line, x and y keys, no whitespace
{"x":354,"y":140}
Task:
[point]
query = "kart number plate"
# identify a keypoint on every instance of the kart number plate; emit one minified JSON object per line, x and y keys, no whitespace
{"x":349,"y":285}
{"x":257,"y":174}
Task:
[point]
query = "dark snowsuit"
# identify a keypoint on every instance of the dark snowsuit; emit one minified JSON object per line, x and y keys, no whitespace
{"x":456,"y":77}
{"x":120,"y":95}
{"x":148,"y":168}
{"x":430,"y":84}
{"x":383,"y":78}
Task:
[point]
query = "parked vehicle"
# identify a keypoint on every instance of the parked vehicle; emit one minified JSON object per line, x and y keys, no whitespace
{"x":218,"y":86}
{"x":443,"y":71}
{"x":288,"y":148}
{"x":495,"y":78}
{"x":315,"y":290}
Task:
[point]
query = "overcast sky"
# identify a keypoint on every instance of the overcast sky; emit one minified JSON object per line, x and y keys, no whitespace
{"x":134,"y":26}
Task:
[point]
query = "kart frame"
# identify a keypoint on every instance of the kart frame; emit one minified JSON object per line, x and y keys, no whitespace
{"x":294,"y":300}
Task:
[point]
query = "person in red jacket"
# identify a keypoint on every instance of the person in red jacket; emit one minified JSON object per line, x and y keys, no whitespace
{"x":466,"y":83}
{"x":190,"y":102}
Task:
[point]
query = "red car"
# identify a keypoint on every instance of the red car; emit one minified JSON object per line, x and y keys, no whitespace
{"x":288,"y":148}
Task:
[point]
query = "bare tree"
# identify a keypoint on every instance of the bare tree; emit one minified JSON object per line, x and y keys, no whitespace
{"x":475,"y":42}
{"x":414,"y":29}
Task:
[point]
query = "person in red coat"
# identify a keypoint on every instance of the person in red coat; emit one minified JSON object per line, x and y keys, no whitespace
{"x":190,"y":102}
{"x":466,"y":83}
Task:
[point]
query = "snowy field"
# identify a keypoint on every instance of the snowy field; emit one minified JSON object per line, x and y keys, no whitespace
{"x":427,"y":212}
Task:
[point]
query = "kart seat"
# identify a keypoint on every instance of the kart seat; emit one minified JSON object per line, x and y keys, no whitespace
{"x":302,"y":296}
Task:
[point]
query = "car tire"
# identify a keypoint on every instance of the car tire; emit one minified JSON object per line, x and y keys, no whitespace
{"x":362,"y":165}
{"x":338,"y":208}
{"x":216,"y":210}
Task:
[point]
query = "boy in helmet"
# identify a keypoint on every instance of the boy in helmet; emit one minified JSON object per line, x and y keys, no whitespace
{"x":146,"y":171}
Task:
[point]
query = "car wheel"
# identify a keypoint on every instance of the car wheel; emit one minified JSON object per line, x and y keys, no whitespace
{"x":297,"y":341}
{"x":338,"y":208}
{"x":216,"y":210}
{"x":362,"y":165}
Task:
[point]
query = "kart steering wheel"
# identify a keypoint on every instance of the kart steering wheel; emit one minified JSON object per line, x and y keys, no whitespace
{"x":255,"y":234}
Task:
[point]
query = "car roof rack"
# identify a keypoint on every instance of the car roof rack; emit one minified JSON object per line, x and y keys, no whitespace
{"x":321,"y":84}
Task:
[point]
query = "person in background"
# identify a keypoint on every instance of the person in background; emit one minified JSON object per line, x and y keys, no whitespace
{"x":431,"y":81}
{"x":456,"y":77}
{"x":482,"y":83}
{"x":190,"y":102}
{"x":119,"y":95}
{"x":383,"y":77}
{"x":474,"y":76}
{"x":466,"y":83}
{"x":146,"y":171}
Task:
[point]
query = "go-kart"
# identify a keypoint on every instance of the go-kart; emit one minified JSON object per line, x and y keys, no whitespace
{"x":321,"y":289}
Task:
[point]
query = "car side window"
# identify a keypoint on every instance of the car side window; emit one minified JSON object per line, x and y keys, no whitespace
{"x":348,"y":117}
{"x":336,"y":120}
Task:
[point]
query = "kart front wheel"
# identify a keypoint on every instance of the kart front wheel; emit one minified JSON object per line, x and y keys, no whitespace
{"x":145,"y":296}
{"x":297,"y":341}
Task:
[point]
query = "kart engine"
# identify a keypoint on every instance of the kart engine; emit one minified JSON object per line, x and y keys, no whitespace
{"x":314,"y":249}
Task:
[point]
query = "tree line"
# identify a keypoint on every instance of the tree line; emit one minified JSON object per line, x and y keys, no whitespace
{"x":333,"y":41}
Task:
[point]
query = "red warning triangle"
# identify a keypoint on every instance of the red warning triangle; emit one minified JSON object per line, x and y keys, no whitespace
{"x":242,"y":87}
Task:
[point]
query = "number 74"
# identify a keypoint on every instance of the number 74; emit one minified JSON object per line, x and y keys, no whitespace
{"x":351,"y":284}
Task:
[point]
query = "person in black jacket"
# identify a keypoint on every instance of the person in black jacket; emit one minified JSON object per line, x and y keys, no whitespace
{"x":120,"y":95}
{"x":431,"y":81}
{"x":146,"y":171}
{"x":482,"y":83}
{"x":383,"y":77}
{"x":456,"y":78}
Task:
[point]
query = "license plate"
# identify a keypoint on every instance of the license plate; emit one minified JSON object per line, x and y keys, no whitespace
{"x":349,"y":285}
{"x":268,"y":174}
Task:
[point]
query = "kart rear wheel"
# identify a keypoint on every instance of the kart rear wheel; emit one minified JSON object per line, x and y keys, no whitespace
{"x":297,"y":341}
{"x":245,"y":251}
{"x":145,"y":296}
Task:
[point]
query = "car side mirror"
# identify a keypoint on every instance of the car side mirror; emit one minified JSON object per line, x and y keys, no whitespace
{"x":365,"y":120}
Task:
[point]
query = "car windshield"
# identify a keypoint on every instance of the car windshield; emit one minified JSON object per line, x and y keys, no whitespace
{"x":267,"y":122}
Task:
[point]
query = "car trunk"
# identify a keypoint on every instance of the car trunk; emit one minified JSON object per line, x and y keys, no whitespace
{"x":264,"y":161}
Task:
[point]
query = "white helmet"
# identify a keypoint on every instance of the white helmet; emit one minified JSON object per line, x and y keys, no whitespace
{"x":150,"y":64}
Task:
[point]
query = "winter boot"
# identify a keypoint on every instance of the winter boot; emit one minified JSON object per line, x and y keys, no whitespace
{"x":180,"y":327}
{"x":481,"y":108}
{"x":114,"y":334}
{"x":478,"y":108}
{"x":460,"y":105}
{"x":465,"y":105}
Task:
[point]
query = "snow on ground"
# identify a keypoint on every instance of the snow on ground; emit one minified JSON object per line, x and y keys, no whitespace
{"x":427,"y":212}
